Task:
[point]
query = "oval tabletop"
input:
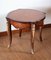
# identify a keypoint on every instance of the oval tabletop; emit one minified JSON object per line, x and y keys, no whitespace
{"x":26,"y":15}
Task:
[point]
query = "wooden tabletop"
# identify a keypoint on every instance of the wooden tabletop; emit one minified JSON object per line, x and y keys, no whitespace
{"x":26,"y":15}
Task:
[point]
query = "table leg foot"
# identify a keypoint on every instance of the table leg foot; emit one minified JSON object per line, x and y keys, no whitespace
{"x":8,"y":46}
{"x":32,"y":51}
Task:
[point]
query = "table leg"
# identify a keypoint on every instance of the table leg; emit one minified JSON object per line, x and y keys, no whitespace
{"x":32,"y":37}
{"x":40,"y":33}
{"x":9,"y":33}
{"x":20,"y":32}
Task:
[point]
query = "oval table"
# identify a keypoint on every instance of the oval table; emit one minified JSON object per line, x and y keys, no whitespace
{"x":27,"y":16}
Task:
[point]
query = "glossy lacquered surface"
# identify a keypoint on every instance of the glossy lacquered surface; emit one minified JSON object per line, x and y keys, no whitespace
{"x":26,"y":15}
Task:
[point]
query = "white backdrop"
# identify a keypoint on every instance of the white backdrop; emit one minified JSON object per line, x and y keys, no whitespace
{"x":9,"y":5}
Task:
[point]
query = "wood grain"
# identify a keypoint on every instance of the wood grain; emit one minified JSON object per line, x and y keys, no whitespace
{"x":20,"y":49}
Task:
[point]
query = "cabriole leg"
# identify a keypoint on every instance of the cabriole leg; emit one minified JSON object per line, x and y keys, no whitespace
{"x":32,"y":37}
{"x":9,"y":33}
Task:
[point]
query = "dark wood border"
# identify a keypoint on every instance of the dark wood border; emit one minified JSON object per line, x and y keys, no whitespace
{"x":17,"y":31}
{"x":13,"y":31}
{"x":47,"y":25}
